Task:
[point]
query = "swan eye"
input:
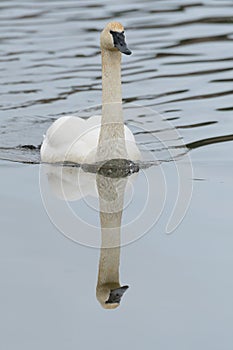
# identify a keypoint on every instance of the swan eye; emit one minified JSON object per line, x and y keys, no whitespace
{"x":113,"y":32}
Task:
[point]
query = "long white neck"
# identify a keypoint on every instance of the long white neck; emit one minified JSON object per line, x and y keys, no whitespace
{"x":112,"y":137}
{"x":111,"y":78}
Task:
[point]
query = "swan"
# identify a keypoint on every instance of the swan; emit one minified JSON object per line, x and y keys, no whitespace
{"x":98,"y":138}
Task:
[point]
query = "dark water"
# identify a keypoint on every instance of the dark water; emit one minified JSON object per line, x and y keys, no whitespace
{"x":50,"y":63}
{"x":181,"y":288}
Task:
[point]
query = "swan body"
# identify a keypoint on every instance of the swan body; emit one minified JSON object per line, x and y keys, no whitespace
{"x":98,"y":138}
{"x":75,"y":140}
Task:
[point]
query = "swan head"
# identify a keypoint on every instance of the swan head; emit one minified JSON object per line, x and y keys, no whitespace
{"x":110,"y":298}
{"x":112,"y":38}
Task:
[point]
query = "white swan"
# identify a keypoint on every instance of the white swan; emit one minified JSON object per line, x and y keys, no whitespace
{"x":98,"y":138}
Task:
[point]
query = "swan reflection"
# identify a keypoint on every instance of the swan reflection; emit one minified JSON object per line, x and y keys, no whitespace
{"x":72,"y":184}
{"x":111,"y":200}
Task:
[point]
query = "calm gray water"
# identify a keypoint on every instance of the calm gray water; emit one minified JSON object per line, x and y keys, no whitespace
{"x":180,"y":293}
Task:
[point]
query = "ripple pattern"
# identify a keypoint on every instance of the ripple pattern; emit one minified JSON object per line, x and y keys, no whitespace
{"x":181,"y":64}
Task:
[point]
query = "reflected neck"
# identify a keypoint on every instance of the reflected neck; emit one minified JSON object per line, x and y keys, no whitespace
{"x":109,"y":258}
{"x":111,"y":199}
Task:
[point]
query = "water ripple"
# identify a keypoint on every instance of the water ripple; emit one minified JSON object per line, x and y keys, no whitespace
{"x":50,"y":64}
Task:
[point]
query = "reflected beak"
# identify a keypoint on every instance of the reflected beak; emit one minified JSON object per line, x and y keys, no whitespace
{"x":116,"y":295}
{"x":119,"y":42}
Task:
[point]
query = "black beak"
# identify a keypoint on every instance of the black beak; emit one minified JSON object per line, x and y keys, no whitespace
{"x":119,"y":42}
{"x":116,"y":294}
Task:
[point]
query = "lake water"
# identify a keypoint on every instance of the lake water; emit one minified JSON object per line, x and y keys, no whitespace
{"x":180,"y":285}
